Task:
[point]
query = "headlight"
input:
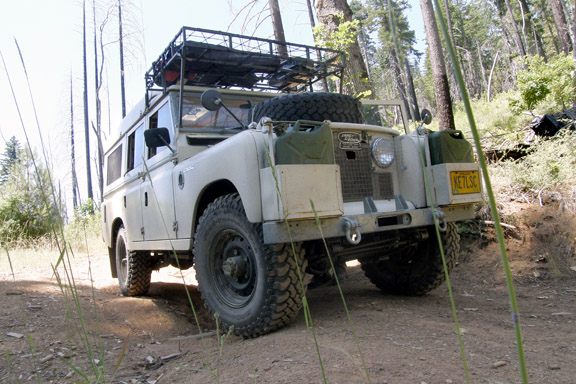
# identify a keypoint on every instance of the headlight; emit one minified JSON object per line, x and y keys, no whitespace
{"x":383,"y":152}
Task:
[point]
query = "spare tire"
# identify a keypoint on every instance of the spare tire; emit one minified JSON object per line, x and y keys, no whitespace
{"x":316,"y":106}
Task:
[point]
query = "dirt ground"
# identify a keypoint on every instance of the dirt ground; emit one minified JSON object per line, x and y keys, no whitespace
{"x":155,"y":339}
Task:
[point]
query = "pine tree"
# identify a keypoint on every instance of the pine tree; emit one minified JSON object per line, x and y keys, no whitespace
{"x":9,"y":158}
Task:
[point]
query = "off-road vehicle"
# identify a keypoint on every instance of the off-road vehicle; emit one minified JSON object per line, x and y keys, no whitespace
{"x":232,"y":165}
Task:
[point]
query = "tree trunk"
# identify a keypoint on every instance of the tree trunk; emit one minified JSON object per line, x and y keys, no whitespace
{"x":484,"y":81}
{"x":568,"y":15}
{"x":278,"y":26}
{"x":395,"y":61}
{"x":313,"y":25}
{"x":561,"y":26}
{"x":413,"y":98}
{"x":97,"y":85}
{"x":519,"y":42}
{"x":441,"y":86}
{"x":574,"y":32}
{"x":355,"y":71}
{"x":121,"y":39}
{"x":532,"y":27}
{"x":72,"y":149}
{"x":398,"y":79}
{"x":490,"y":78}
{"x":86,"y":116}
{"x":449,"y":22}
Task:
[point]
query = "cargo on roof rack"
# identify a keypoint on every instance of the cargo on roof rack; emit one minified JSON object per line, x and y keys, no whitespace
{"x":219,"y":59}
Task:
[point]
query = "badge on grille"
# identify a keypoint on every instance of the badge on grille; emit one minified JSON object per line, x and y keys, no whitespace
{"x":349,"y":140}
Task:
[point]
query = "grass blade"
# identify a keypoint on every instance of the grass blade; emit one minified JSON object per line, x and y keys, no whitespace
{"x":490,"y":193}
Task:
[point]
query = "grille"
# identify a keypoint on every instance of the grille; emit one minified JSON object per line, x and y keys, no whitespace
{"x":358,"y":180}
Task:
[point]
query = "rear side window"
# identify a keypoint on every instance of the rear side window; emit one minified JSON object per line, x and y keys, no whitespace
{"x":135,"y":148}
{"x":114,"y":168}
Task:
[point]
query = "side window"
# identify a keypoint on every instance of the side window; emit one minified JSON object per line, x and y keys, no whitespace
{"x":135,"y":148}
{"x":160,"y":119}
{"x":114,"y":168}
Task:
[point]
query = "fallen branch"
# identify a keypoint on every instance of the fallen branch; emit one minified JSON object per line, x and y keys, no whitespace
{"x":490,"y":222}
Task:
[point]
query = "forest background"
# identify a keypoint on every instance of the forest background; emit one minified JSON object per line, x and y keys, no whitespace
{"x":516,"y":57}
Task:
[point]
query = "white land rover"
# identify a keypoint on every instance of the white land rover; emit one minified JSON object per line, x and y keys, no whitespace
{"x":257,"y":189}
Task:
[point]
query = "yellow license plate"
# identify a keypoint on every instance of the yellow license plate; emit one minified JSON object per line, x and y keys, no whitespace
{"x":464,"y":182}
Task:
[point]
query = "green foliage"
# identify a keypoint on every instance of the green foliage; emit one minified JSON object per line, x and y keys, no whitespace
{"x":550,"y":82}
{"x":551,"y":162}
{"x":496,"y":123}
{"x":84,"y":231}
{"x":341,"y":38}
{"x":85,"y":210}
{"x":27,"y":208}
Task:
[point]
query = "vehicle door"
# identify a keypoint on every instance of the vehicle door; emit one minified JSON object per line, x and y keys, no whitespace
{"x":157,"y":194}
{"x":133,"y":179}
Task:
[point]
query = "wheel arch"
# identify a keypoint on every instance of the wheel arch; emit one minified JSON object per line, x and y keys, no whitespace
{"x":116,"y":225}
{"x":210,"y":193}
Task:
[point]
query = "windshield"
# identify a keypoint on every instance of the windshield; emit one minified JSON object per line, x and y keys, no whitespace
{"x":195,"y":116}
{"x":390,"y":114}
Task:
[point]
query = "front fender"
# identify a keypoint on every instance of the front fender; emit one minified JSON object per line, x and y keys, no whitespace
{"x":236,"y":160}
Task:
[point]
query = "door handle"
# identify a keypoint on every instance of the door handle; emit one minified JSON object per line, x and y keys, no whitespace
{"x":146,"y":199}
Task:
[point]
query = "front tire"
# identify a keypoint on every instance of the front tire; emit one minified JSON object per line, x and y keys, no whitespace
{"x":416,"y":270}
{"x":134,"y":269}
{"x":253,"y":287}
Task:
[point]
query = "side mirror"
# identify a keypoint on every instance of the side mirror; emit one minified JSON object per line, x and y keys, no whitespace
{"x":211,"y":99}
{"x":157,"y":137}
{"x":426,"y":116}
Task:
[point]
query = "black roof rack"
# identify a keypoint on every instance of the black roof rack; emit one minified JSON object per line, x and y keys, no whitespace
{"x":219,"y":59}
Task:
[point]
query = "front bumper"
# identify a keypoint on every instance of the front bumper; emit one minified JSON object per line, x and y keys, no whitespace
{"x":302,"y":230}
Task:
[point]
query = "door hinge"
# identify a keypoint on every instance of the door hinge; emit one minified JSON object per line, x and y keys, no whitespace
{"x":175,"y":226}
{"x":142,"y":231}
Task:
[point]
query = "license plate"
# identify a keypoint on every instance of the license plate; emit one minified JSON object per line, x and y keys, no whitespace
{"x":464,"y":182}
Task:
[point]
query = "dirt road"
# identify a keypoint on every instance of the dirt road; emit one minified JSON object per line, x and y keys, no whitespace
{"x":155,"y":339}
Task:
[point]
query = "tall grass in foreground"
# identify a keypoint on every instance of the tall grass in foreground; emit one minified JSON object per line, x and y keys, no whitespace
{"x":79,"y":333}
{"x":489,"y":192}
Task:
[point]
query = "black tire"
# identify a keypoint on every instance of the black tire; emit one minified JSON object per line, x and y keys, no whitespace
{"x":134,"y":268}
{"x":416,"y":270}
{"x":311,"y":106}
{"x":252,"y":286}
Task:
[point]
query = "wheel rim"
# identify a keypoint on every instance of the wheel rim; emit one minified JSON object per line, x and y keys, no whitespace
{"x":232,"y":268}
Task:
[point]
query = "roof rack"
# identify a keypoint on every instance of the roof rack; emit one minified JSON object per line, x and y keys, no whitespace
{"x":219,"y":59}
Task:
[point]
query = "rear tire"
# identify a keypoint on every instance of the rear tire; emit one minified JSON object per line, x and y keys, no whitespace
{"x":134,"y":269}
{"x":316,"y":106}
{"x":416,"y":270}
{"x":253,"y":287}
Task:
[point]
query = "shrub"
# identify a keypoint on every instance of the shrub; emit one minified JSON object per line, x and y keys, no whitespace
{"x":28,"y":208}
{"x":83,"y":232}
{"x":552,"y":81}
{"x":551,"y":162}
{"x":495,"y":121}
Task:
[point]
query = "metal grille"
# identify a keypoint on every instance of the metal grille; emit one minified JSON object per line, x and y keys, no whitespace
{"x":358,"y":180}
{"x":385,"y":186}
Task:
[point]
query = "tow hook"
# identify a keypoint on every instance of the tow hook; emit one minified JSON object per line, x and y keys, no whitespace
{"x":353,"y":235}
{"x":441,"y":220}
